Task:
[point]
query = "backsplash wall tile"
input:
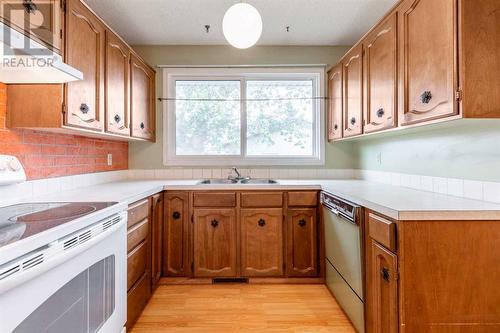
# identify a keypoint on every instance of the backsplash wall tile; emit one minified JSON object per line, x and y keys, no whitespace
{"x":48,"y":155}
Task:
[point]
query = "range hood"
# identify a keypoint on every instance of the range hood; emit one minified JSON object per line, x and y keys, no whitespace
{"x":23,"y":60}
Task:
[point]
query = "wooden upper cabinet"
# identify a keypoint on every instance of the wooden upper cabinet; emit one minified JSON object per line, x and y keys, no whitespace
{"x":382,"y":298}
{"x":335,"y":103}
{"x":262,"y":242}
{"x":176,"y":236}
{"x":85,"y":46}
{"x":214,"y":238}
{"x":380,"y":76}
{"x":353,"y":92}
{"x":428,"y":69}
{"x":117,"y":85}
{"x":142,"y":104}
{"x":40,"y":19}
{"x":302,"y":250}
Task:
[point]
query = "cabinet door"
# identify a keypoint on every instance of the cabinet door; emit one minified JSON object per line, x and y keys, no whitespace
{"x":175,"y":245}
{"x":262,"y":242}
{"x":156,"y":239}
{"x":380,"y":73}
{"x":427,"y":30}
{"x":382,"y":302}
{"x":142,"y":104}
{"x":214,"y":243}
{"x":85,"y":43}
{"x":335,"y":103}
{"x":353,"y":92}
{"x":302,"y":252}
{"x":117,"y":85}
{"x":38,"y":19}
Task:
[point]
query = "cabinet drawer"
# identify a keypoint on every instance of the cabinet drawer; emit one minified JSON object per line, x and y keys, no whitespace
{"x":262,"y":199}
{"x":382,"y":230}
{"x":303,"y":199}
{"x":211,"y":199}
{"x":137,"y":212}
{"x":137,"y":234}
{"x":136,"y":264}
{"x":136,"y":300}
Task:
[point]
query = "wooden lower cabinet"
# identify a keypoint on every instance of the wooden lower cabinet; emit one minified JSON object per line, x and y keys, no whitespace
{"x":176,"y":234}
{"x":144,"y":258}
{"x":302,"y":251}
{"x":441,"y":276}
{"x":214,"y":242}
{"x":383,"y":295}
{"x":156,"y":239}
{"x":261,"y":242}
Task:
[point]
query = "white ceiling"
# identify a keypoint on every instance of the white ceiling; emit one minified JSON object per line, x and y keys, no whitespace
{"x":181,"y":22}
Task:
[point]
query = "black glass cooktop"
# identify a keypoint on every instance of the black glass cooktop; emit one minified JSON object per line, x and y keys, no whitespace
{"x":24,"y":220}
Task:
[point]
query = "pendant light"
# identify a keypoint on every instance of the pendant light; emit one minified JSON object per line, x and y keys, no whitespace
{"x":242,"y":25}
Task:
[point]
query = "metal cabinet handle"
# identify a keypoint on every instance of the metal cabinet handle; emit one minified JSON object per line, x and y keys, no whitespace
{"x":262,"y":222}
{"x":117,"y":118}
{"x":335,"y":127}
{"x":302,"y":222}
{"x":380,"y":112}
{"x":142,"y":125}
{"x":84,"y":108}
{"x":353,"y":121}
{"x":384,"y":272}
{"x":176,"y":215}
{"x":214,"y":223}
{"x":426,"y":97}
{"x":29,"y":6}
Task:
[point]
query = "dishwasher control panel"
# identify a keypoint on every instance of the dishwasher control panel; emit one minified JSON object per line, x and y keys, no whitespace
{"x":339,"y":206}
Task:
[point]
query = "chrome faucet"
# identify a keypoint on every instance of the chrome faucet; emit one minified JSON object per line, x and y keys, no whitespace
{"x":238,"y":175}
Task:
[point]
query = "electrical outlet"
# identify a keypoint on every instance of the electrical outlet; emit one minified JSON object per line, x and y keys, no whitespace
{"x":110,"y":159}
{"x":379,"y":158}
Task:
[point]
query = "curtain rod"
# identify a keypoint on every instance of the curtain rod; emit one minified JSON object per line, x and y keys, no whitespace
{"x":241,"y":66}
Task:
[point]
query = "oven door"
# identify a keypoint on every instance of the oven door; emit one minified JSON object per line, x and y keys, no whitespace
{"x":79,"y":288}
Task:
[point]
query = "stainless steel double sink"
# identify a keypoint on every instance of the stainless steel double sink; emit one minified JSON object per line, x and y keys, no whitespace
{"x":238,"y":182}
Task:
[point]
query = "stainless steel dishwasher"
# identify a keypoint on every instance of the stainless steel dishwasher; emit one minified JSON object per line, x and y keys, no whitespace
{"x":343,"y":238}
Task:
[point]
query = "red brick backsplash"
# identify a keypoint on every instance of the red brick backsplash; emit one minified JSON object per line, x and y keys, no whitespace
{"x":46,"y":155}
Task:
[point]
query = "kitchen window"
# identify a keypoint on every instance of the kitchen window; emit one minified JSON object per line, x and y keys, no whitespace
{"x":244,"y":116}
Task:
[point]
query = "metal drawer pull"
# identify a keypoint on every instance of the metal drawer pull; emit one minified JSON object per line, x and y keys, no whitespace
{"x":302,"y":222}
{"x":380,"y":112}
{"x":29,"y":6}
{"x":262,"y":222}
{"x":385,"y":274}
{"x":84,"y":108}
{"x":426,"y":97}
{"x":117,"y":118}
{"x":353,"y":121}
{"x":214,"y":223}
{"x":142,"y":125}
{"x":176,"y":215}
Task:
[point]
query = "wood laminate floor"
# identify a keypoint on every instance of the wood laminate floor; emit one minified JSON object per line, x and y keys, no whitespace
{"x":242,"y":308}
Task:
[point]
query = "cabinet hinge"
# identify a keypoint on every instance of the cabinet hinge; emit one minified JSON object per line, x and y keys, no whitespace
{"x":64,"y":108}
{"x":458,"y":95}
{"x":192,"y":218}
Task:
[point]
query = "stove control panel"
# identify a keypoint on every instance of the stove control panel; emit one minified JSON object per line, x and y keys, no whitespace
{"x":11,"y":170}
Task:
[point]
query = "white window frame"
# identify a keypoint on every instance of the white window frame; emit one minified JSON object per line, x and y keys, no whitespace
{"x":173,"y":74}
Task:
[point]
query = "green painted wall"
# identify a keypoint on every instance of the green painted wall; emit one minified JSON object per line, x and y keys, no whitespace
{"x":149,"y":156}
{"x":464,"y":149}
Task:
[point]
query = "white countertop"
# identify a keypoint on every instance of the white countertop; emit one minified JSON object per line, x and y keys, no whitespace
{"x":396,"y":202}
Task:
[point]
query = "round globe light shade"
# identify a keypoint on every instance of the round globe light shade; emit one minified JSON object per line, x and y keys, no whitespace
{"x":242,"y":25}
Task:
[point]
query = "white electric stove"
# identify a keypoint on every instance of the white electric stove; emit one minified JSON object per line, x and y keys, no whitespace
{"x":62,"y":264}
